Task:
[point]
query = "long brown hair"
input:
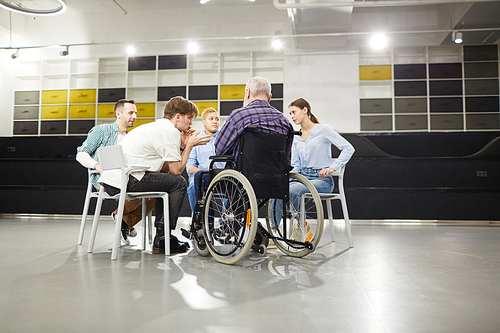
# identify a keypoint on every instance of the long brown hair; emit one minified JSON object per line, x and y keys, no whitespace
{"x":303,"y":103}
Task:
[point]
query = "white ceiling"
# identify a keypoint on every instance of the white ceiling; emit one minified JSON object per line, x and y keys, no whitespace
{"x":307,"y":24}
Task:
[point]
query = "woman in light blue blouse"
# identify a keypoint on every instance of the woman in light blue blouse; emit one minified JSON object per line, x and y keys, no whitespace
{"x":312,"y":154}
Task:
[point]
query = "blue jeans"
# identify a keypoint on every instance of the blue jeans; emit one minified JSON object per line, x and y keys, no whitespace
{"x":322,"y":185}
{"x":194,"y":187}
{"x":191,"y":195}
{"x":296,"y":189}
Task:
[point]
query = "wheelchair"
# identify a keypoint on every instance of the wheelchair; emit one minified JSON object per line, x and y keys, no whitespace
{"x":226,"y":224}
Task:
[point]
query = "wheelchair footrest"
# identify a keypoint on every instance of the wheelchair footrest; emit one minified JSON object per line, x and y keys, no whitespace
{"x":186,"y":233}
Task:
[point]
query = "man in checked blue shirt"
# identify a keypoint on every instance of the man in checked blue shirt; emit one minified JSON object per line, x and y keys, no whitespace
{"x":256,"y":111}
{"x":108,"y":135}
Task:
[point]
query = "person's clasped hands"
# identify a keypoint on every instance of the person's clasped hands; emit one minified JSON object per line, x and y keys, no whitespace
{"x":191,"y":137}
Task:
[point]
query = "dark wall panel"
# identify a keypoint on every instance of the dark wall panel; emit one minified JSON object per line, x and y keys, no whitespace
{"x":480,"y":52}
{"x":445,"y":71}
{"x":445,"y":87}
{"x":410,"y":71}
{"x":142,"y":63}
{"x":446,"y":104}
{"x":172,"y":62}
{"x":53,"y":127}
{"x":166,"y":93}
{"x":411,"y":88}
{"x":226,"y":107}
{"x":200,"y":93}
{"x":482,"y":104}
{"x":112,"y":95}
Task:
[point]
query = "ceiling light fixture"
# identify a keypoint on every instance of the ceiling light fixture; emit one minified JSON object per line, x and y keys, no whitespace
{"x":130,"y":50}
{"x":23,"y":9}
{"x":64,"y":52}
{"x":192,"y":47}
{"x":277,"y":44}
{"x":457,"y":37}
{"x":378,"y":41}
{"x":204,"y":1}
{"x":15,"y":54}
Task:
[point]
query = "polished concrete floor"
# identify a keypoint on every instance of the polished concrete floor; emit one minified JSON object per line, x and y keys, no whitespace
{"x":397,"y":278}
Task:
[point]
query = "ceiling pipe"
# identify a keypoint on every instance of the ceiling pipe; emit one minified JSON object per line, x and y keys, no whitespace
{"x":270,"y":37}
{"x":372,"y":3}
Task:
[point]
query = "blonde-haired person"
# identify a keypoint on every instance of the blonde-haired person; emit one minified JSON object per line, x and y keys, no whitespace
{"x":312,"y":154}
{"x":199,"y":157}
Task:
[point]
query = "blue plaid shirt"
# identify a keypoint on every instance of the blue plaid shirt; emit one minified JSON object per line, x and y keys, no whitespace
{"x":99,"y":136}
{"x":258,"y":113}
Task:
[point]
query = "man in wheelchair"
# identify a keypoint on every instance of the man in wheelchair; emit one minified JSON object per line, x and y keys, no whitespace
{"x":255,"y":143}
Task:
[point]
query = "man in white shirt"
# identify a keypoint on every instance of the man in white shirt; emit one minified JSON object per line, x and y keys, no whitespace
{"x":108,"y":135}
{"x":164,"y":146}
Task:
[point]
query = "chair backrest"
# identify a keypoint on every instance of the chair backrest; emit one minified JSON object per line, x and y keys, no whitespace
{"x":111,"y":157}
{"x":263,"y":159}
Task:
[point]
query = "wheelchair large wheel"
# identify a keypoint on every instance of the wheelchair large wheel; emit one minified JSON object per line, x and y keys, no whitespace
{"x":304,"y":227}
{"x":230,"y":217}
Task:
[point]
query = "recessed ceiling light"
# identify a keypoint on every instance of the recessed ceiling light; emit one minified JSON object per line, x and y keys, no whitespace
{"x":130,"y":50}
{"x":378,"y":41}
{"x":192,"y":47}
{"x":277,"y":44}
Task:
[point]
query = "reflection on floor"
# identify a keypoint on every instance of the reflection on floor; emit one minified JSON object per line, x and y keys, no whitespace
{"x":397,"y":278}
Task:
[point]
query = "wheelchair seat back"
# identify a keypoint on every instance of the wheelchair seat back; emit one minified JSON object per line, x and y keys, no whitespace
{"x":263,"y":159}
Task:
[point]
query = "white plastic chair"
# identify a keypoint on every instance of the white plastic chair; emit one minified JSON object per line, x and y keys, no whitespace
{"x":89,"y":195}
{"x":328,"y":198}
{"x":111,"y":158}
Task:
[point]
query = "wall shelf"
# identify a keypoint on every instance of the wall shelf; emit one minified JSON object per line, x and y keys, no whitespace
{"x":450,"y":88}
{"x":49,"y":94}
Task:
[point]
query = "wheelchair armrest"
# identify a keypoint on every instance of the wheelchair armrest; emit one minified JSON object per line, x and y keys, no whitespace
{"x":221,"y":158}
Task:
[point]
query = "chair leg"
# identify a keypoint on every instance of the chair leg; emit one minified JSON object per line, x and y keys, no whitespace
{"x":144,"y":223}
{"x":95,"y":222}
{"x":330,"y":218}
{"x":84,"y":213}
{"x":150,"y":228}
{"x":166,"y":225}
{"x":346,"y":215}
{"x":118,"y":226}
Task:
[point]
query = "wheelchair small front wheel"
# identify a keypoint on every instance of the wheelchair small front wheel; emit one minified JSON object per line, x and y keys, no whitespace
{"x":199,"y":244}
{"x":262,"y":250}
{"x":310,"y":247}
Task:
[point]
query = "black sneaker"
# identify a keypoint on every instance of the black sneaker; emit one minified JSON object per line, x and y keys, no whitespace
{"x":125,"y":233}
{"x":175,"y":245}
{"x":131,"y":233}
